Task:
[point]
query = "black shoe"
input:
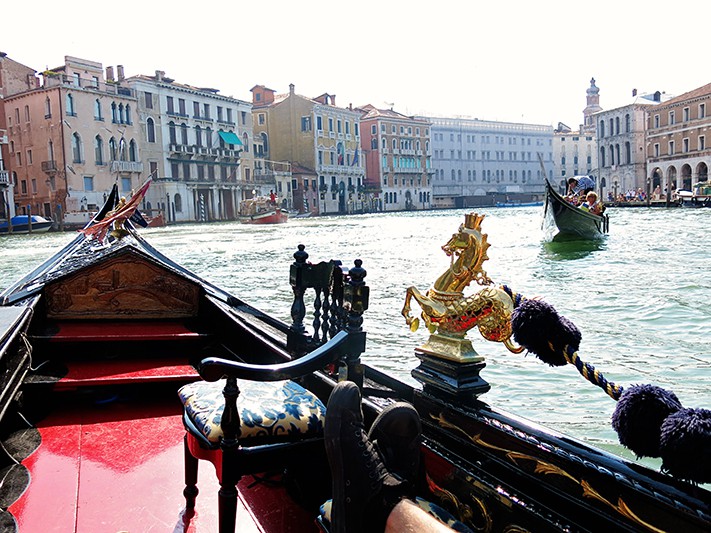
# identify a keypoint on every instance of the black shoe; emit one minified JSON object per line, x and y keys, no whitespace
{"x":364,"y":492}
{"x":397,"y":435}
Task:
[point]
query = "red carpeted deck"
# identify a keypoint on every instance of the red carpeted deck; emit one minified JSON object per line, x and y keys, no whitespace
{"x":118,"y":467}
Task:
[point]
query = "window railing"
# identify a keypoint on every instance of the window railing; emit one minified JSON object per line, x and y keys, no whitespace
{"x":49,"y":166}
{"x":126,"y":166}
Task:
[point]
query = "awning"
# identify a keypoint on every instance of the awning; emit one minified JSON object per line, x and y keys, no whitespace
{"x":230,"y":138}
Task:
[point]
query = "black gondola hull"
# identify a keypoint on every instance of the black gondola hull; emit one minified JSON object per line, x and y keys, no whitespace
{"x":573,"y":221}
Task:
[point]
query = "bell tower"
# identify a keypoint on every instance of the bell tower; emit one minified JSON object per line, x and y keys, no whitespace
{"x":592,"y":107}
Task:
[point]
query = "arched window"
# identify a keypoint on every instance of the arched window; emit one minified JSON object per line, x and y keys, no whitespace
{"x":628,"y":153}
{"x":27,"y":113}
{"x":97,"y":110}
{"x":76,"y":148}
{"x":612,"y":155}
{"x":184,"y":133}
{"x":128,"y":114}
{"x":99,"y":150}
{"x":265,"y":142}
{"x":198,"y":135}
{"x":374,"y":143}
{"x":208,"y":137}
{"x":172,"y":133}
{"x":70,"y":104}
{"x":113,"y":149}
{"x":122,"y":149}
{"x":602,"y":156}
{"x":132,"y":151}
{"x":114,"y":113}
{"x":151,"y":130}
{"x":245,"y":142}
{"x":178,"y":203}
{"x":627,"y":123}
{"x":47,"y":108}
{"x":602,"y":128}
{"x":394,"y":144}
{"x":121,"y":117}
{"x":617,"y":125}
{"x":617,"y":154}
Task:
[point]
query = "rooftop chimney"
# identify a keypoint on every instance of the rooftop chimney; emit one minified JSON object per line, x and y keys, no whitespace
{"x":109,"y":73}
{"x":119,"y":72}
{"x":291,"y":88}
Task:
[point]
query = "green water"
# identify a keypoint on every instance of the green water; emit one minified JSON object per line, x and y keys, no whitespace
{"x":640,"y":297}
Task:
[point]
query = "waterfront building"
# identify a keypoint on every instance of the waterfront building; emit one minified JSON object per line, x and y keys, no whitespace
{"x":477,"y":162}
{"x":14,"y":78}
{"x":575,"y":151}
{"x":198,"y":148}
{"x":71,"y":139}
{"x":573,"y":155}
{"x":316,"y":137}
{"x":398,"y":160}
{"x":622,"y":158}
{"x":678,"y":155}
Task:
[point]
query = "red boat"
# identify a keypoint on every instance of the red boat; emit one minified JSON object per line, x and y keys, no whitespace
{"x":261,"y":210}
{"x":109,"y":349}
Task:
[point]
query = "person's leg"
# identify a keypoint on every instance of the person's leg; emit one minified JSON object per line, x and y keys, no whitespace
{"x":364,"y":492}
{"x":408,"y":517}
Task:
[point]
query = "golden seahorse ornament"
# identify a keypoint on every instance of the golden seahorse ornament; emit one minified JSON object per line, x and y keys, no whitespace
{"x":446,"y":310}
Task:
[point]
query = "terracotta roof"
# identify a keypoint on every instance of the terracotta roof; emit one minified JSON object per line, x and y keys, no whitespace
{"x":694,"y":93}
{"x":299,"y":169}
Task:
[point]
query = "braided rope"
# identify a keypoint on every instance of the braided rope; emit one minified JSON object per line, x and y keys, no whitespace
{"x":589,"y":372}
{"x":586,"y":370}
{"x":517,"y":297}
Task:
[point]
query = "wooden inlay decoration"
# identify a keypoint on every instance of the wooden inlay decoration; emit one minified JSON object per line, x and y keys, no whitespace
{"x":122,"y":287}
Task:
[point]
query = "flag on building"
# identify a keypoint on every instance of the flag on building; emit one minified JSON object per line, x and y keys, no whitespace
{"x":355,"y":158}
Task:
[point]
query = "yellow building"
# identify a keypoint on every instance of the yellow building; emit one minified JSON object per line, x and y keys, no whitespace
{"x":317,"y":136}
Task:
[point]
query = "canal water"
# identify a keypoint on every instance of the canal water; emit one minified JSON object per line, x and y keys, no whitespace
{"x":640,"y":297}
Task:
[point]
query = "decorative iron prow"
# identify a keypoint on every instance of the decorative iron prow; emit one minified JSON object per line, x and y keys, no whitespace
{"x":449,"y":361}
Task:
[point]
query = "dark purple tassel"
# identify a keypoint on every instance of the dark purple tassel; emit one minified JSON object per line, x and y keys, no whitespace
{"x":537,"y":325}
{"x":685,"y":445}
{"x":638,"y":417}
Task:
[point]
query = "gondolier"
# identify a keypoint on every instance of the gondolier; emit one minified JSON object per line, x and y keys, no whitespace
{"x":580,"y":185}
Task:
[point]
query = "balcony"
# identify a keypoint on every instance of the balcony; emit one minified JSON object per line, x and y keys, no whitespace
{"x":49,"y":167}
{"x":126,"y":166}
{"x":4,"y":178}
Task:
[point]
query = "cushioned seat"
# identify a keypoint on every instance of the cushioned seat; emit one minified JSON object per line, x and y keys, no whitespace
{"x":252,"y":417}
{"x":267,"y":410}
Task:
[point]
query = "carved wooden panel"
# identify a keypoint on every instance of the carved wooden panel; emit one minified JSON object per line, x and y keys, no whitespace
{"x":122,"y":287}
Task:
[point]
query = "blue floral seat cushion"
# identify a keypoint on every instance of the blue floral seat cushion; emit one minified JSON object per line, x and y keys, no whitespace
{"x":435,"y":510}
{"x":281,"y":409}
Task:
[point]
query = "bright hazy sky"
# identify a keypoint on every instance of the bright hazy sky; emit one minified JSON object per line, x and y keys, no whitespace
{"x":510,"y":60}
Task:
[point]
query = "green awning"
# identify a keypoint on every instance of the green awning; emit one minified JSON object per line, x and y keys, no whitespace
{"x":230,"y":138}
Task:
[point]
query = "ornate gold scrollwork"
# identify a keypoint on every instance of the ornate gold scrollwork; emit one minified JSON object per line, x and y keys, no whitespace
{"x":545,"y":468}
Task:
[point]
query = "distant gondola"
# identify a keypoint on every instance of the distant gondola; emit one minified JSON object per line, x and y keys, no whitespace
{"x":573,"y":221}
